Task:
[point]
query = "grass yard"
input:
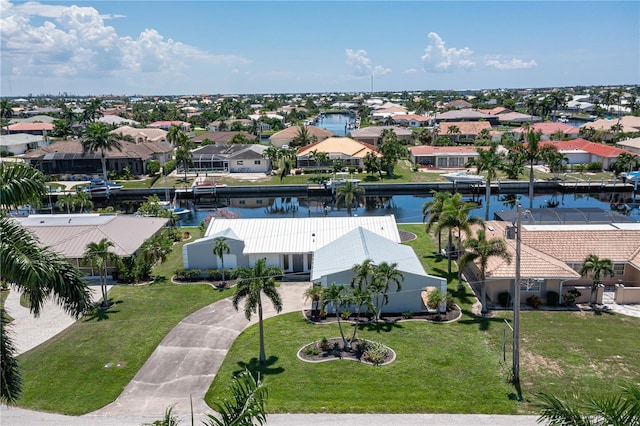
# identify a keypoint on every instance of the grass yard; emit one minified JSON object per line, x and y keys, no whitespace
{"x":67,"y":374}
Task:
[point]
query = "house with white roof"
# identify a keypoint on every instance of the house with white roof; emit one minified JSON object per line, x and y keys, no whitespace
{"x":19,"y":143}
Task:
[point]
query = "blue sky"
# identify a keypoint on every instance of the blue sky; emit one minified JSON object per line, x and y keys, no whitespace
{"x":193,"y":47}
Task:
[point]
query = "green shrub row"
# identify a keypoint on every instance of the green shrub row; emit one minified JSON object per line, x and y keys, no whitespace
{"x":191,"y":275}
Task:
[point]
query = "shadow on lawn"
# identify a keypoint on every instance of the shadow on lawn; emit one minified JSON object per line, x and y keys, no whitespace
{"x":102,"y":314}
{"x":254,"y":366}
{"x":380,"y":326}
{"x":484,"y":323}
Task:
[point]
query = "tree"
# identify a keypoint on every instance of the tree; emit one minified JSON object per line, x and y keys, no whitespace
{"x":372,"y":163}
{"x":252,"y":282}
{"x":556,"y":161}
{"x":385,"y":274}
{"x":454,"y":132}
{"x":287,"y":158}
{"x":625,"y":163}
{"x":314,"y":293}
{"x":156,"y":248}
{"x":220,"y":247}
{"x":533,"y":152}
{"x":175,"y":135}
{"x":99,"y":256}
{"x":93,"y":110}
{"x":433,"y":209}
{"x":489,"y":161}
{"x":391,"y":150}
{"x":67,"y":201}
{"x":99,"y":139}
{"x":481,"y":250}
{"x":349,"y":194}
{"x":184,"y":159}
{"x":597,"y":268}
{"x":36,"y":271}
{"x":334,"y":296}
{"x":247,"y":405}
{"x":621,"y":409}
{"x":6,"y":110}
{"x":303,"y":137}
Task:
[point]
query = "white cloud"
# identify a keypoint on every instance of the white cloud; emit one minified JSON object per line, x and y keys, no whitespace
{"x":361,"y":64}
{"x":437,"y":58}
{"x":75,"y":42}
{"x":510,"y":64}
{"x":411,"y":71}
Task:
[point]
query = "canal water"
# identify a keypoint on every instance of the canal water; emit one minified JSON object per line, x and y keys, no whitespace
{"x":405,"y":208}
{"x":336,"y":123}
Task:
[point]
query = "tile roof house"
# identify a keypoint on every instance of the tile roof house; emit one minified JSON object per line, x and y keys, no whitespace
{"x":234,"y":158}
{"x":411,"y":120}
{"x":467,"y":130}
{"x":286,"y":136}
{"x":373,"y":134}
{"x":466,"y":115}
{"x":141,"y":135}
{"x":221,"y":137}
{"x":166,"y":125}
{"x":551,"y":255}
{"x":69,"y":234}
{"x":443,"y":157}
{"x":33,"y":119}
{"x":36,"y":128}
{"x":66,"y":157}
{"x":353,"y":152}
{"x":581,"y":151}
{"x":631,"y":145}
{"x":547,"y":129}
{"x":214,"y":126}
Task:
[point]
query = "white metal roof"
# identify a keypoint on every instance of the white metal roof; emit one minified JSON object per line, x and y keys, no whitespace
{"x":359,"y":245}
{"x":300,"y":235}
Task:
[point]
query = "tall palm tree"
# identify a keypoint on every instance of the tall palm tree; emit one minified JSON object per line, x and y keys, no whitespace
{"x":598,"y":269}
{"x":93,"y":110}
{"x":433,"y":209}
{"x":99,"y":256}
{"x":533,"y":152}
{"x":303,"y":137}
{"x":83,"y":200}
{"x":481,"y":250}
{"x":349,"y":194}
{"x":362,"y":274}
{"x":220,"y":247}
{"x":314,"y":293}
{"x":334,"y":295}
{"x":99,"y":139}
{"x":184,"y":159}
{"x":252,"y":283}
{"x":36,"y":271}
{"x":489,"y":161}
{"x":245,"y":407}
{"x":384,"y":275}
{"x":67,"y":201}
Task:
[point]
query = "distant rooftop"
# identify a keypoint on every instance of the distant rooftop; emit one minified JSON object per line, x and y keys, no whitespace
{"x":564,"y":216}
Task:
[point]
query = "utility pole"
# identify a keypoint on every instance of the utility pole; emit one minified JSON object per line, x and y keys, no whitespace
{"x":516,"y":302}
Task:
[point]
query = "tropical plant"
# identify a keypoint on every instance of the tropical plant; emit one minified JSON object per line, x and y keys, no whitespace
{"x":385,"y":274}
{"x":99,"y":256}
{"x":314,"y":293}
{"x":533,"y":152}
{"x":482,"y":250}
{"x":622,"y":409}
{"x":252,"y":283}
{"x":598,"y":269}
{"x":489,"y":161}
{"x":349,"y":194}
{"x":37,"y":272}
{"x":247,"y":405}
{"x":303,"y":137}
{"x":625,"y":163}
{"x":454,"y":132}
{"x":359,"y":298}
{"x":93,"y":110}
{"x":334,"y":295}
{"x":391,"y":150}
{"x":220,"y":247}
{"x":433,"y":209}
{"x":99,"y":139}
{"x":67,"y":201}
{"x":169,"y":419}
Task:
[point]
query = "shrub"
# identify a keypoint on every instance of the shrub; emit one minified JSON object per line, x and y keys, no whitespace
{"x":345,"y":315}
{"x":553,"y":298}
{"x":311,"y":350}
{"x":534,"y":301}
{"x":435,"y":298}
{"x":594,"y":166}
{"x":324,"y":344}
{"x":323,"y":313}
{"x":153,"y":167}
{"x":570,"y":297}
{"x":375,"y":353}
{"x":352,"y":169}
{"x":407,"y":314}
{"x":504,"y":298}
{"x":169,"y":166}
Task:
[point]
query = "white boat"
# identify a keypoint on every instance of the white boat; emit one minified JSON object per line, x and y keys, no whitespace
{"x":98,"y":187}
{"x":631,"y":176}
{"x":463,"y":177}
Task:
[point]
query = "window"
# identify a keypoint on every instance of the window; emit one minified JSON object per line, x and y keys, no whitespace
{"x":531,"y":285}
{"x":257,"y":162}
{"x":258,"y":201}
{"x":241,"y":202}
{"x":240,"y":162}
{"x":618,"y":269}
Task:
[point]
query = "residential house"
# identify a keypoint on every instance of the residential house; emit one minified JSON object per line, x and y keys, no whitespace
{"x":347,"y":149}
{"x":506,"y":116}
{"x":35,"y":128}
{"x":547,"y":130}
{"x":581,"y":151}
{"x":39,"y":118}
{"x":66,"y":157}
{"x":233,"y":158}
{"x":411,"y":120}
{"x":629,"y":124}
{"x":141,"y":135}
{"x":286,"y":136}
{"x":458,"y":104}
{"x":19,"y":143}
{"x":467,"y":115}
{"x":116,"y":120}
{"x":373,"y":135}
{"x":218,"y":125}
{"x":221,"y":137}
{"x":443,"y":157}
{"x":551,"y":255}
{"x":631,"y":145}
{"x":465,"y":131}
{"x":69,"y":234}
{"x":166,"y":125}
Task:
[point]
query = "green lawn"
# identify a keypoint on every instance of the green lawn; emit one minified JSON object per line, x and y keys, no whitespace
{"x":67,"y":374}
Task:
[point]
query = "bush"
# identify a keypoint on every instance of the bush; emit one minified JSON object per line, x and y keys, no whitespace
{"x":375,"y":353}
{"x":594,"y":166}
{"x":153,"y":167}
{"x":324,"y":344}
{"x":534,"y":301}
{"x":407,"y":314}
{"x":311,"y":350}
{"x":504,"y":298}
{"x":169,"y":166}
{"x":345,"y":315}
{"x":570,"y":297}
{"x":553,"y":298}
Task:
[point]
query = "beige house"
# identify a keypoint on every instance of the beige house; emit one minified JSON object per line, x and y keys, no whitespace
{"x":141,"y":135}
{"x":463,"y":130}
{"x":353,"y":152}
{"x":286,"y":136}
{"x":373,"y":135}
{"x":443,"y":156}
{"x":552,"y":255}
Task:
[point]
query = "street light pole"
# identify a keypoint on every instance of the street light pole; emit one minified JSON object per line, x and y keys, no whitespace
{"x":516,"y":302}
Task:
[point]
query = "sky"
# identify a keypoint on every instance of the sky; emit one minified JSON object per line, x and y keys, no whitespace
{"x":244,"y":47}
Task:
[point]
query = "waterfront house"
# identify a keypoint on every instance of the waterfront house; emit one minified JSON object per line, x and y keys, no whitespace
{"x":582,"y":151}
{"x":547,"y":130}
{"x":233,"y":158}
{"x":443,"y":156}
{"x":220,"y":137}
{"x":410,"y":120}
{"x":631,"y":145}
{"x":286,"y":136}
{"x":628,"y":124}
{"x":372,"y":135}
{"x":218,"y":125}
{"x":32,"y":128}
{"x":347,"y":149}
{"x":141,"y":135}
{"x":166,"y":125}
{"x":467,"y":131}
{"x":466,"y":115}
{"x":19,"y":143}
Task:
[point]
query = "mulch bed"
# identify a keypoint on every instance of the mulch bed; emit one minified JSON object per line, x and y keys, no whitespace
{"x":334,"y":350}
{"x":392,"y":317}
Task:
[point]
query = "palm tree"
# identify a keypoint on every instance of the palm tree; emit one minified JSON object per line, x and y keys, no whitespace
{"x":83,"y":200}
{"x":359,"y":298}
{"x":489,"y":161}
{"x":247,"y":405}
{"x":433,"y":209}
{"x":334,"y":296}
{"x":155,"y":249}
{"x":93,"y":110}
{"x":175,"y":135}
{"x":67,"y":201}
{"x":533,"y":152}
{"x":314,"y":293}
{"x":481,"y":250}
{"x":598,"y":268}
{"x":220,"y":247}
{"x":6,"y":111}
{"x":97,"y":139}
{"x":622,"y":409}
{"x":184,"y":159}
{"x":252,"y":282}
{"x":99,"y":256}
{"x":36,"y":271}
{"x":362,"y":274}
{"x":349,"y":194}
{"x":454,"y":131}
{"x":384,"y":275}
{"x":303,"y":137}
